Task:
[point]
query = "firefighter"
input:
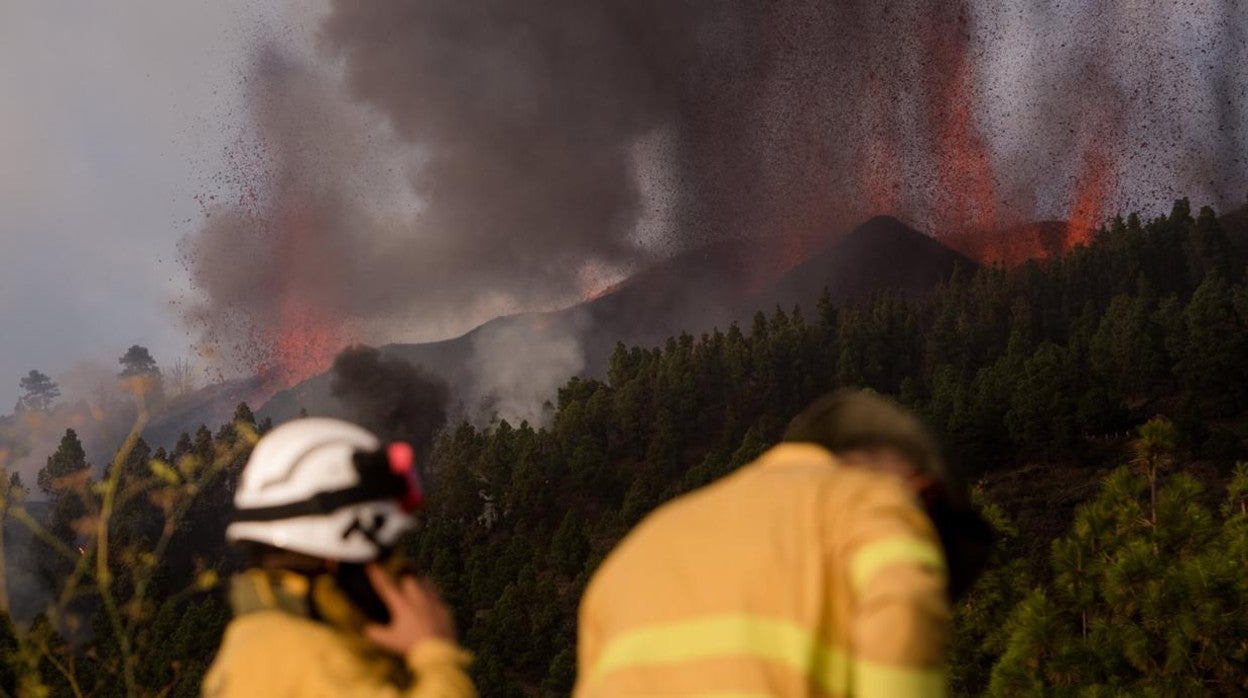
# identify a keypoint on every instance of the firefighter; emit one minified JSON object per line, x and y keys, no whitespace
{"x":824,"y":568}
{"x":321,"y":609}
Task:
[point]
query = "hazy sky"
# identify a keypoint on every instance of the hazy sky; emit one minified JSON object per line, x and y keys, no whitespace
{"x":113,"y":116}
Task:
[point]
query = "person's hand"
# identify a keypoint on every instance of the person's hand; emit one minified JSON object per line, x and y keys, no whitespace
{"x":417,"y":613}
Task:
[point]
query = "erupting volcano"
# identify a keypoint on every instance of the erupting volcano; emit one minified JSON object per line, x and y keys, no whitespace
{"x":969,"y":209}
{"x":419,"y":186}
{"x":277,"y":265}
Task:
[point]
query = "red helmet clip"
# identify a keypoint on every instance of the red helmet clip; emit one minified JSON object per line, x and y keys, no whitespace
{"x":403,"y":463}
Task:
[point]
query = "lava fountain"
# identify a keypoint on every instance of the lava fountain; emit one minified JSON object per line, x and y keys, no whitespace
{"x":965,"y":196}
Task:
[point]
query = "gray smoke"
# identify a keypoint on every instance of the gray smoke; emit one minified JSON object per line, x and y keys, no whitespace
{"x":1228,"y":90}
{"x":1159,"y":85}
{"x":516,"y":368}
{"x":448,"y":161}
{"x":94,"y":403}
{"x":528,"y":114}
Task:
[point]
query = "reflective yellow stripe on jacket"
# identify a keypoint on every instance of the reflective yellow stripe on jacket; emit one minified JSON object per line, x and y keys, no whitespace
{"x":738,"y":635}
{"x":778,"y":641}
{"x":902,"y":550}
{"x":871,"y":679}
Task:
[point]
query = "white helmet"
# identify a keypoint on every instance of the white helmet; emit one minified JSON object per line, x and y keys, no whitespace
{"x":326,"y":488}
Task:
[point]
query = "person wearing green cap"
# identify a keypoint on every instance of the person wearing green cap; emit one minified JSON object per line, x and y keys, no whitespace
{"x":824,"y":568}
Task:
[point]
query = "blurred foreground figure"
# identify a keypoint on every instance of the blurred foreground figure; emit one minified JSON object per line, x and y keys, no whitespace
{"x":824,"y":568}
{"x":319,"y":509}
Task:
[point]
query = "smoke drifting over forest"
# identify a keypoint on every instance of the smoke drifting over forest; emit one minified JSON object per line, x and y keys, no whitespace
{"x":390,"y":397}
{"x":449,"y":160}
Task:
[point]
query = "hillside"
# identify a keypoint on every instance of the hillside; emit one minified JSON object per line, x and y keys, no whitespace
{"x":1039,"y":379}
{"x":212,"y":404}
{"x":1064,"y":389}
{"x":694,"y":292}
{"x":882,"y":253}
{"x":1013,"y":245}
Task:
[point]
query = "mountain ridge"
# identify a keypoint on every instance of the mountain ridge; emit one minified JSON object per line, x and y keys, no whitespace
{"x":694,"y":292}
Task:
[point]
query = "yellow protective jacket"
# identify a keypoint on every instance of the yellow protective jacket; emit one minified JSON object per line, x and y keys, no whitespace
{"x":272,"y":649}
{"x":792,"y":577}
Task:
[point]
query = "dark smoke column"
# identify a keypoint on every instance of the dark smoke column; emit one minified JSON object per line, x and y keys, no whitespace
{"x":390,"y":397}
{"x":525,"y":113}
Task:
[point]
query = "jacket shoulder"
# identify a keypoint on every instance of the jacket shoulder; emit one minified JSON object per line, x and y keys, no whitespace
{"x":273,"y":651}
{"x":263,"y":628}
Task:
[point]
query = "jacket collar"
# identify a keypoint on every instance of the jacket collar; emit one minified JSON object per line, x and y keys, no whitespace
{"x":314,"y":597}
{"x":270,"y":590}
{"x":796,"y":453}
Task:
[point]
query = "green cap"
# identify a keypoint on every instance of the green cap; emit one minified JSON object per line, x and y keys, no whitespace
{"x":850,"y":419}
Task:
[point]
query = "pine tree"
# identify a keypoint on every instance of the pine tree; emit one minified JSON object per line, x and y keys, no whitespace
{"x":66,"y":479}
{"x":568,"y":547}
{"x":1146,"y":596}
{"x":1207,"y":247}
{"x":140,"y":374}
{"x":40,"y":392}
{"x":69,"y":461}
{"x":1042,"y":405}
{"x":1152,"y":453}
{"x":137,"y":361}
{"x":980,"y":618}
{"x":1210,"y":349}
{"x":1126,"y":351}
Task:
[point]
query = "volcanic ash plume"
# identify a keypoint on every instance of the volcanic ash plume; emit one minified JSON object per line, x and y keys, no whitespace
{"x":273,"y":263}
{"x":453,"y":161}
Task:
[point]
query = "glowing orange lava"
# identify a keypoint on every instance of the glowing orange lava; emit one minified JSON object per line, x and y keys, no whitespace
{"x":967,"y":209}
{"x":307,"y":330}
{"x":303,"y":344}
{"x":1091,"y":192}
{"x":1014,"y":245}
{"x":966,"y":196}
